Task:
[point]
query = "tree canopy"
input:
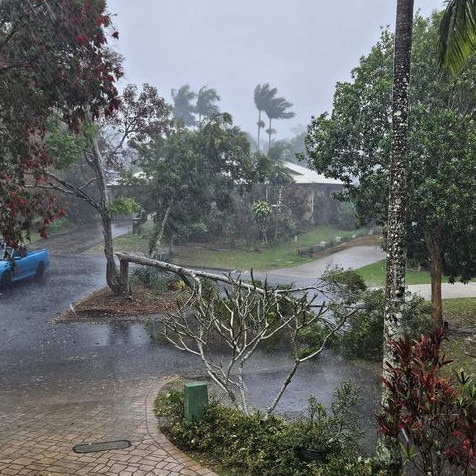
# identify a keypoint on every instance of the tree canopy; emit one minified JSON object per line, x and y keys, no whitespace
{"x":103,"y":147}
{"x":189,"y":173}
{"x":353,"y":144}
{"x":53,"y":57}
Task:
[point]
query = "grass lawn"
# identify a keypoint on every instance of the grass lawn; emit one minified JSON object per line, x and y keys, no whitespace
{"x":223,"y":256}
{"x":374,"y":275}
{"x":459,"y":313}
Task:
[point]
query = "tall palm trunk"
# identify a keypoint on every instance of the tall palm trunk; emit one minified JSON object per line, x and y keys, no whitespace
{"x":389,"y":451}
{"x":259,"y":128}
{"x":270,"y":131}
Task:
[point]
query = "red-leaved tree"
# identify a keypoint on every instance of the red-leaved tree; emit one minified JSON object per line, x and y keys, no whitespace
{"x":53,"y":57}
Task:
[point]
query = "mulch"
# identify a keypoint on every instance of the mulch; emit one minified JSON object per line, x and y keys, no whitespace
{"x":104,"y":304}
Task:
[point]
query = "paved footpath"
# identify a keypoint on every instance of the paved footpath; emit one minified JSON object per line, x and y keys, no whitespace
{"x":37,"y":433}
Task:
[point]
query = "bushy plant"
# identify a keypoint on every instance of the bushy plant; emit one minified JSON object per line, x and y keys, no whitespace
{"x":152,"y":277}
{"x":266,"y":446}
{"x":362,"y":337}
{"x":337,"y":431}
{"x":341,"y":466}
{"x":433,"y":417}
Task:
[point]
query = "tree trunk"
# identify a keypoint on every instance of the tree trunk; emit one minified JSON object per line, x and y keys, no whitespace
{"x":433,"y":243}
{"x":388,"y":449}
{"x":259,"y":127}
{"x":112,"y":273}
{"x":269,"y":136}
{"x":159,"y":230}
{"x":113,"y":279}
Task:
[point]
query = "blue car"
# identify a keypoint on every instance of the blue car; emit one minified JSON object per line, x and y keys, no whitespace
{"x":19,"y":263}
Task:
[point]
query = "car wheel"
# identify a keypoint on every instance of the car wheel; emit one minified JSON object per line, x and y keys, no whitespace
{"x":6,"y":279}
{"x":40,"y":270}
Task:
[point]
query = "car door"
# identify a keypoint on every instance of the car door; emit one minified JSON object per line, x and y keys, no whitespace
{"x":21,"y":265}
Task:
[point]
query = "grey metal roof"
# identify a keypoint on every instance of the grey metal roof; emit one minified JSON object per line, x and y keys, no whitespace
{"x":304,"y":175}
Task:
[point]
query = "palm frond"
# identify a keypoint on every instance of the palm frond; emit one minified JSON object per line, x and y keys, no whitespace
{"x":457,"y":39}
{"x":263,"y":95}
{"x":277,"y":109}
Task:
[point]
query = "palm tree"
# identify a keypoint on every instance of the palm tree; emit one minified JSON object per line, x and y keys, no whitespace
{"x":276,"y":109}
{"x":457,"y":33}
{"x":206,"y":103}
{"x":263,"y":95}
{"x":183,"y":108}
{"x":389,"y":449}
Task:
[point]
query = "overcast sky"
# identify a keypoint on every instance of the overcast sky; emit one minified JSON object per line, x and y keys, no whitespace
{"x":301,"y":47}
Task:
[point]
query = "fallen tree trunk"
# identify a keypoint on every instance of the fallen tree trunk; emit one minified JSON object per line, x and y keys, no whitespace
{"x":194,"y":274}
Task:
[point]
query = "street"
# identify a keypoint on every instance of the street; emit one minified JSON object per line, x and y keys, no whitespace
{"x":73,"y":383}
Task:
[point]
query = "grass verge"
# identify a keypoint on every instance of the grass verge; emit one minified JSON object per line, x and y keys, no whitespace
{"x":374,"y":275}
{"x":221,"y":255}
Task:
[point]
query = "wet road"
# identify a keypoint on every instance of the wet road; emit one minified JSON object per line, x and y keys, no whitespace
{"x":44,"y":361}
{"x":34,"y":348}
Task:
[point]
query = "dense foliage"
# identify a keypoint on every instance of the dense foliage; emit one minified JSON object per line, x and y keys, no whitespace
{"x":53,"y":57}
{"x":254,"y":445}
{"x":432,"y":415}
{"x":362,"y":337}
{"x":353,"y":144}
{"x":192,"y":175}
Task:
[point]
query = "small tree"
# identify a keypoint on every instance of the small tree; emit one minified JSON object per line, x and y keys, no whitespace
{"x":242,"y":319}
{"x":103,"y":146}
{"x":262,"y":213}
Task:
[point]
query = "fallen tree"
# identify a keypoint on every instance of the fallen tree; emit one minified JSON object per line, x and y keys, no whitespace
{"x":225,"y":326}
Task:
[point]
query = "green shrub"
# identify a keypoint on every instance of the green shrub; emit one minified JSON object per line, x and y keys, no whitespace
{"x":339,"y":466}
{"x":262,"y":445}
{"x":362,"y":335}
{"x":152,"y":277}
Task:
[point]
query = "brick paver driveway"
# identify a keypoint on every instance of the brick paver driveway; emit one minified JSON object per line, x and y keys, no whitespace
{"x":38,"y":432}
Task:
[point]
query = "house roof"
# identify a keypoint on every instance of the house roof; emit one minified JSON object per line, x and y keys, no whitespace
{"x":304,"y":175}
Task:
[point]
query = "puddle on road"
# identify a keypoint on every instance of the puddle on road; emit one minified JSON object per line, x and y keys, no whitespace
{"x":114,"y":333}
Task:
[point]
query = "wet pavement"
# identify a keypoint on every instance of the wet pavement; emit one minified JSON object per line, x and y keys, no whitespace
{"x":38,"y":432}
{"x":62,"y":385}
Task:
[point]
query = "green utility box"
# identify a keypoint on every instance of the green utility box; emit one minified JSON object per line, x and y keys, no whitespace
{"x":196,"y":397}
